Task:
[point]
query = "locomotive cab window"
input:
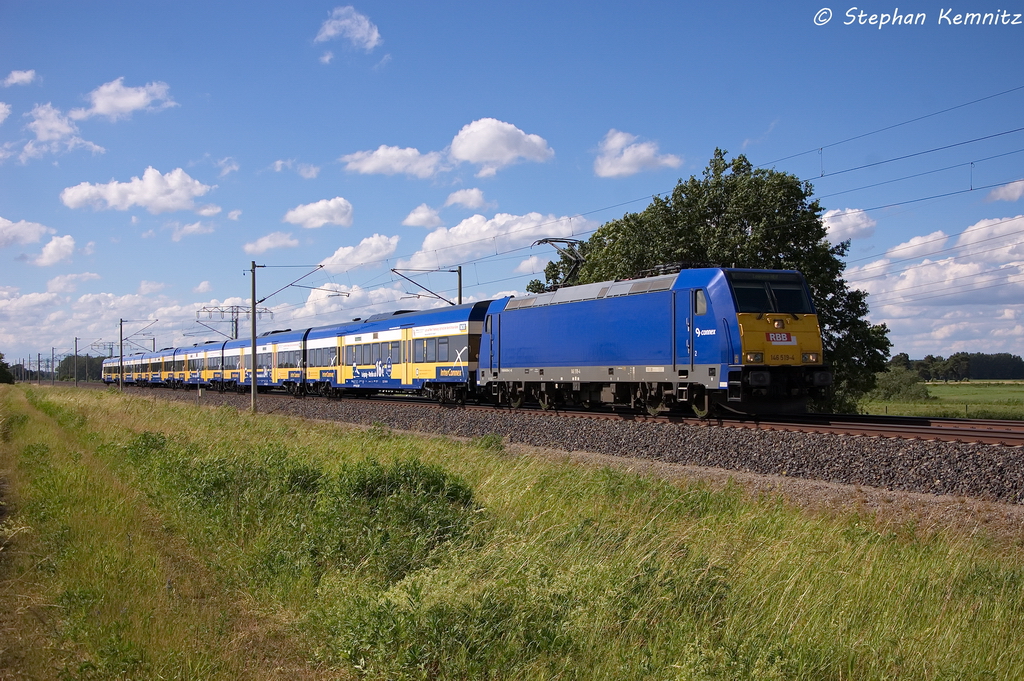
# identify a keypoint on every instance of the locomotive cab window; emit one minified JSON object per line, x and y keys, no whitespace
{"x":763,"y":292}
{"x":700,"y":302}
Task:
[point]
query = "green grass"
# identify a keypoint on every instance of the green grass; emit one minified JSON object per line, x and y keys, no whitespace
{"x":162,"y":540}
{"x":968,"y":399}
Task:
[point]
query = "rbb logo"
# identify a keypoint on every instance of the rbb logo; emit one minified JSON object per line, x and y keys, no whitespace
{"x":778,"y":337}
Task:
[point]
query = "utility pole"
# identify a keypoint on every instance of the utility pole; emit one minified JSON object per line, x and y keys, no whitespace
{"x":76,"y":361}
{"x":39,"y":368}
{"x":53,"y":357}
{"x":252,"y":320}
{"x":120,"y":368}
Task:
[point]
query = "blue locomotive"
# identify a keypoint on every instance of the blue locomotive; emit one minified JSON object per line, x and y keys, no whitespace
{"x":732,"y":339}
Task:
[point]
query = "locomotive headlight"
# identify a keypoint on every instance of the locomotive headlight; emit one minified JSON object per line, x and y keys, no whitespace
{"x":811,"y":358}
{"x":755,"y":358}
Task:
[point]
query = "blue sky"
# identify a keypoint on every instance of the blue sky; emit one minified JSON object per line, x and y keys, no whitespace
{"x":149,"y":152}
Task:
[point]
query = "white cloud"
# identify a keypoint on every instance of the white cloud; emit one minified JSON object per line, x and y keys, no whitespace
{"x":203,"y":287}
{"x":336,"y":211}
{"x":270,"y":242}
{"x":969,"y":300}
{"x":148,"y":234}
{"x":59,"y":248}
{"x":19,"y":78}
{"x":847,"y":223}
{"x":370,"y":251}
{"x":67,"y":283}
{"x":351,"y":25}
{"x":422,"y":216}
{"x":5,"y":111}
{"x":919,"y":246}
{"x":181,"y":231}
{"x":621,"y":155}
{"x":477,"y":235}
{"x":306,"y":170}
{"x":1008,"y":192}
{"x":148,"y":287}
{"x":115,"y":101}
{"x":21,"y":232}
{"x":90,"y":248}
{"x":227,"y":165}
{"x":468,"y":198}
{"x":54,"y":133}
{"x":209,"y":210}
{"x":155,"y":192}
{"x":532,"y":265}
{"x":234,"y":215}
{"x":326,"y":57}
{"x":494,"y":144}
{"x":387,"y":160}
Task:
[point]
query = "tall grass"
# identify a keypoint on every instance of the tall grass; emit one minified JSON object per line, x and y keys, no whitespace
{"x":391,"y":556}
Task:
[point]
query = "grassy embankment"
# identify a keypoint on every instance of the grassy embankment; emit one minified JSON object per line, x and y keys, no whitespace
{"x":154,"y":540}
{"x":969,"y":399}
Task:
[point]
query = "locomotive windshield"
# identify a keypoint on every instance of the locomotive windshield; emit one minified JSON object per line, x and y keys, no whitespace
{"x":770,"y":292}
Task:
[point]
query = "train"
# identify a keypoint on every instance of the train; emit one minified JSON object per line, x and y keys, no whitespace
{"x":703,"y":340}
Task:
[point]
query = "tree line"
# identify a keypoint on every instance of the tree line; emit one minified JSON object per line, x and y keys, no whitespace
{"x":961,"y":366}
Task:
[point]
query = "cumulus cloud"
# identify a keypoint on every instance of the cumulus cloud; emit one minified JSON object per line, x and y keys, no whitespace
{"x":494,"y":144}
{"x":1008,"y":192}
{"x":477,"y":235}
{"x":114,"y":101}
{"x":54,"y":133}
{"x":532,"y":265}
{"x":67,"y":283}
{"x":21,"y":232}
{"x":203,"y":287}
{"x":227,"y":165}
{"x":234,"y":215}
{"x":847,"y":223}
{"x":5,"y":111}
{"x":326,"y":57}
{"x":209,"y":210}
{"x":370,"y":251}
{"x":60,"y":248}
{"x":19,"y":78}
{"x":347,"y":23}
{"x":968,"y":299}
{"x":919,"y":246}
{"x":468,"y":198}
{"x":422,"y":216}
{"x":487,"y":142}
{"x":308,"y":170}
{"x":387,"y":160}
{"x":621,"y":155}
{"x":148,"y":287}
{"x":270,"y":242}
{"x":156,"y":192}
{"x":179,"y":232}
{"x":336,"y":211}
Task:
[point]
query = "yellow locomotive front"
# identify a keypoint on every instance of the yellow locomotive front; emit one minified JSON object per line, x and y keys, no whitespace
{"x":780,"y":338}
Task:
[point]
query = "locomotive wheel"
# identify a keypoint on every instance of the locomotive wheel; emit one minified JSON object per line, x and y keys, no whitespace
{"x":547,"y":400}
{"x":514,"y":396}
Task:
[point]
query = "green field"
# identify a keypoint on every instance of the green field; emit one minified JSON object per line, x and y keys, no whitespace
{"x":153,"y":540}
{"x":967,"y":399}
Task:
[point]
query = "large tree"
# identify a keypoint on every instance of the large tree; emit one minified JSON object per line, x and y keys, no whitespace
{"x":736,"y":215}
